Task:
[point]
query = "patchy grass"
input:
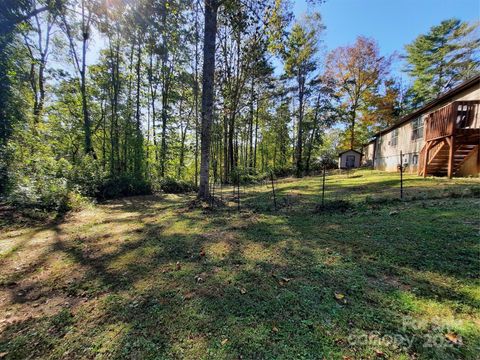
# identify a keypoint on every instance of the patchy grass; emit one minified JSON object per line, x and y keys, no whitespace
{"x":152,"y":277}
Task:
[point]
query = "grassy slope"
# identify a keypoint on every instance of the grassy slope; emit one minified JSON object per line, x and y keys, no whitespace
{"x":148,"y":277}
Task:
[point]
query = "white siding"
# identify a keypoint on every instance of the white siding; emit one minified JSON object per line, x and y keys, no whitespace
{"x":342,"y":159}
{"x":387,"y":155}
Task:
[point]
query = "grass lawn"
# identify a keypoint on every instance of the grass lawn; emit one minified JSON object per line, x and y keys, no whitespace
{"x":154,"y":278}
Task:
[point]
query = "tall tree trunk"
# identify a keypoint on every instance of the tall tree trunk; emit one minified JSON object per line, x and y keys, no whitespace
{"x":312,"y":136}
{"x":211,"y":9}
{"x":353,"y":116}
{"x":250,"y":123}
{"x":225,"y":146}
{"x":83,"y":90}
{"x":196,"y":91}
{"x":41,"y":89}
{"x":256,"y":137}
{"x":138,"y":134}
{"x":298,"y":152}
{"x":83,"y":84}
{"x":153,"y":95}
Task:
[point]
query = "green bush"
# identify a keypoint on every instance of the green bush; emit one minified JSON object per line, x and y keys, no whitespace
{"x":123,"y":185}
{"x":174,"y":186}
{"x":41,"y":184}
{"x":87,"y":177}
{"x":281,"y":172}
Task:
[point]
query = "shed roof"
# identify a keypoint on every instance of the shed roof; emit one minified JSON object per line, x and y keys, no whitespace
{"x":343,"y":152}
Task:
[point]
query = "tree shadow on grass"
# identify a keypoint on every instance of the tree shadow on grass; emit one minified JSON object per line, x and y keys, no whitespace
{"x":262,"y":287}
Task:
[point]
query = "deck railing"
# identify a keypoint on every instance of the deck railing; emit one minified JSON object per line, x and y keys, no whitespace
{"x":457,"y":115}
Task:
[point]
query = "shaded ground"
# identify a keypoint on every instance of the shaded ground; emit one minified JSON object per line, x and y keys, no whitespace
{"x":149,"y":277}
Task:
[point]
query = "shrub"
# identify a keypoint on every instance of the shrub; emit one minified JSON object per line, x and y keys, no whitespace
{"x":88,"y":176}
{"x":41,"y":184}
{"x":174,"y":186}
{"x":280,"y":172}
{"x":123,"y":185}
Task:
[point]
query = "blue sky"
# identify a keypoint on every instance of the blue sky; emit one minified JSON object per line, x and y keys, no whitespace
{"x":393,"y":23}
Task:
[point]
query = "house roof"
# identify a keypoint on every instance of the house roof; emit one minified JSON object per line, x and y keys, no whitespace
{"x":343,"y":152}
{"x":442,"y":98}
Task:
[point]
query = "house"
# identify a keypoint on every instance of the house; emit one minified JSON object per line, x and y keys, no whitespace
{"x":441,"y":138}
{"x":349,"y":159}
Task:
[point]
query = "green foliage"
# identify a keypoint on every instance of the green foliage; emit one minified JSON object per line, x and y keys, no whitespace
{"x":440,"y":59}
{"x":88,"y":176}
{"x":40,"y":184}
{"x":123,"y":185}
{"x":174,"y":186}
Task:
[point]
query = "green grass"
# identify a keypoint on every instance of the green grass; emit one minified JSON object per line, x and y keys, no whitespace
{"x":152,"y":278}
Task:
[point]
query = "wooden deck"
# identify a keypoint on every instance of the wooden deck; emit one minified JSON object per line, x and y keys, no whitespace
{"x":452,"y":136}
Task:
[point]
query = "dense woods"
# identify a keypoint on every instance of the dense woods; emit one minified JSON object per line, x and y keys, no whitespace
{"x":104,"y":98}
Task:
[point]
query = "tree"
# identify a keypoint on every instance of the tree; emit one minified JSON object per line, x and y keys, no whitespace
{"x":38,"y":47}
{"x":445,"y":56}
{"x":299,"y":63}
{"x":79,"y":55}
{"x":357,"y":71}
{"x":209,"y":40}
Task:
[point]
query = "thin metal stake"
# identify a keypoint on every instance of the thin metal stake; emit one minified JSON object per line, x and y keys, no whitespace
{"x":273,"y":190}
{"x":238,"y":190}
{"x":323,"y":187}
{"x":401,"y":175}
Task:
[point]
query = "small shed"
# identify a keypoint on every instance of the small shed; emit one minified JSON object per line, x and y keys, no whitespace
{"x":349,"y":159}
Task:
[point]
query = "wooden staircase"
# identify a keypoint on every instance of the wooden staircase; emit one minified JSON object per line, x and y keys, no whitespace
{"x":451,"y":136}
{"x":438,"y":163}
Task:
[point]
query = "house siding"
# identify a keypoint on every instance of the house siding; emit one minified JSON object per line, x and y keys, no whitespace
{"x":387,"y":154}
{"x":368,"y":154}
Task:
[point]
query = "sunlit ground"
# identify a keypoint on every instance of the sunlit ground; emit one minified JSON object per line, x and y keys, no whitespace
{"x":152,"y":277}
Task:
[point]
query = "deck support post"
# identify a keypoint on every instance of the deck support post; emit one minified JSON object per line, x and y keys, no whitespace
{"x":451,"y":154}
{"x":478,"y":159}
{"x":425,"y":160}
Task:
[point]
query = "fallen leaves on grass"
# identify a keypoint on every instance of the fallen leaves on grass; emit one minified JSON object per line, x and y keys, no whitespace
{"x":283,"y":281}
{"x":340,"y":297}
{"x":188,"y":296}
{"x":379,"y":353}
{"x":453,"y":338}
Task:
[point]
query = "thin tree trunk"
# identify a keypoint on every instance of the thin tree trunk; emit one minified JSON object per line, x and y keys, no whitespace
{"x":83,"y":85}
{"x":250,"y":123}
{"x":298,"y":157}
{"x":139,"y":142}
{"x":256,"y":139}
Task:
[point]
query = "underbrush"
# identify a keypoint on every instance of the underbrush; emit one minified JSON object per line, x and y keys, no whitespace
{"x":123,"y":185}
{"x":47,"y":185}
{"x":174,"y":186}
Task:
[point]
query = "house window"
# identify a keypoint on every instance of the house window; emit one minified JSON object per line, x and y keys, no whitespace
{"x":394,"y":138}
{"x":417,"y":126}
{"x":415,"y":160}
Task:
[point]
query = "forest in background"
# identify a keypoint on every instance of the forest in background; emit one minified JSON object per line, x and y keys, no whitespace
{"x":107,"y":98}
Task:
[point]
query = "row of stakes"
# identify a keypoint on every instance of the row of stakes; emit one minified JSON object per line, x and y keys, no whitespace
{"x":236,"y":187}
